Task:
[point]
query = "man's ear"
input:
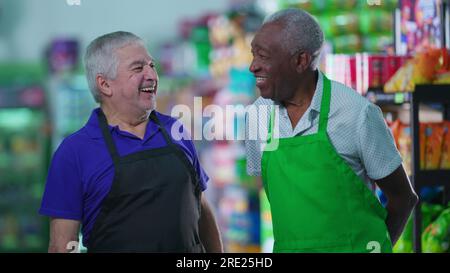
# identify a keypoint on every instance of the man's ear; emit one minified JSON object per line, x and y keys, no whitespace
{"x":103,"y":85}
{"x":302,"y":61}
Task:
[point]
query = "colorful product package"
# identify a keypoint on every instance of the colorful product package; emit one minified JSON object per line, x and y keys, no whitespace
{"x":395,"y":129}
{"x":375,"y":70}
{"x":436,"y":237}
{"x":404,"y":146}
{"x":375,"y":21}
{"x":445,"y":156}
{"x":430,"y":212}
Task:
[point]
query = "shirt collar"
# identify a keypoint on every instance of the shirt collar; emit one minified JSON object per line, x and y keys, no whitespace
{"x":93,"y":126}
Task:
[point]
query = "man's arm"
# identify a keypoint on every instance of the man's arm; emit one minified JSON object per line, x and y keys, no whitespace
{"x":209,"y":231}
{"x":401,"y":200}
{"x":63,"y":231}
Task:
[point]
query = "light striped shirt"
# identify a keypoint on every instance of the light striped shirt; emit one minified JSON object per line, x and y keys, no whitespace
{"x":356,"y":128}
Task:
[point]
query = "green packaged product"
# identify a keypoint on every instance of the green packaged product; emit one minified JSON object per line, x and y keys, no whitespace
{"x":307,"y":5}
{"x":436,"y":237}
{"x":375,"y":21}
{"x":344,"y":23}
{"x":338,"y":5}
{"x":325,"y":24}
{"x":405,"y":242}
{"x":387,"y":5}
{"x":376,"y":43}
{"x":347,"y":44}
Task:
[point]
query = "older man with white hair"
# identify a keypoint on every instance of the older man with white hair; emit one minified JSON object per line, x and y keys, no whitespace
{"x":333,"y":147}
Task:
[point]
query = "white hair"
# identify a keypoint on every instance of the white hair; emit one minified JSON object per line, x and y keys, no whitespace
{"x":301,"y":31}
{"x":100,"y":57}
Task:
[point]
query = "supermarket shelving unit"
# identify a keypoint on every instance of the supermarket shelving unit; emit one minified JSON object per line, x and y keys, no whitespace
{"x":426,"y":94}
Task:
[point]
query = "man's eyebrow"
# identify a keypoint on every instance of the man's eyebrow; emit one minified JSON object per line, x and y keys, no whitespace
{"x":256,"y":47}
{"x":139,"y":62}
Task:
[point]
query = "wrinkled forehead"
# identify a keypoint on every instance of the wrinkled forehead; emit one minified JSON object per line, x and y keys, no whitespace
{"x":132,"y":53}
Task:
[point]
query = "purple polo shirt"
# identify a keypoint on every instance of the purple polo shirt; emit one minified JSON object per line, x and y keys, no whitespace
{"x":82,"y":171}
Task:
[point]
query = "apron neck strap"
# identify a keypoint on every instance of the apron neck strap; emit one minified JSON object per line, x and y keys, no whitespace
{"x":325,"y":105}
{"x":110,"y":142}
{"x":167,"y":138}
{"x":107,"y":136}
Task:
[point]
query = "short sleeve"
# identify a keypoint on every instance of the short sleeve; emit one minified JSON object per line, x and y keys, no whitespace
{"x":63,"y":195}
{"x":378,"y":152}
{"x":256,"y":119}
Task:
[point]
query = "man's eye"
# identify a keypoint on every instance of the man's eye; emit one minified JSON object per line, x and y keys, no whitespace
{"x":137,"y":68}
{"x":152,"y":65}
{"x":264,"y":57}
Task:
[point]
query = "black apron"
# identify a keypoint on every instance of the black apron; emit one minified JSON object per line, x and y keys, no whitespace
{"x":153,"y":204}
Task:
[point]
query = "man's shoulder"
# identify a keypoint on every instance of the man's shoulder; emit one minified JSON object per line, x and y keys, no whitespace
{"x":76,"y":141}
{"x":346,"y":97}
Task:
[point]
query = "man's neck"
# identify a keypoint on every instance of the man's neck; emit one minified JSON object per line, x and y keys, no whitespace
{"x":135,"y":124}
{"x":300,"y":102}
{"x":305,"y":91}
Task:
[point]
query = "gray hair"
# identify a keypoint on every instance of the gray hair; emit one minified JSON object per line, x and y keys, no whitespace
{"x":301,"y":31}
{"x":100,"y":57}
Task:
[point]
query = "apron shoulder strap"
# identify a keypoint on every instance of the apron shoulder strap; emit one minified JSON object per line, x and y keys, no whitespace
{"x":324,"y":110}
{"x":107,"y":136}
{"x":178,"y":152}
{"x":325,"y":105}
{"x":167,"y":138}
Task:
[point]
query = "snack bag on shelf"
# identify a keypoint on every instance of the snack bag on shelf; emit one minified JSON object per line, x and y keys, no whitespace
{"x":433,"y":147}
{"x":402,"y":80}
{"x":426,"y":65}
{"x":445,"y":157}
{"x":420,"y":70}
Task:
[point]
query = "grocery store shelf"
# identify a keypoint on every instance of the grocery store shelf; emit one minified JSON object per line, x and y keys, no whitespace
{"x":431,"y":177}
{"x":380,"y":98}
{"x":426,"y":94}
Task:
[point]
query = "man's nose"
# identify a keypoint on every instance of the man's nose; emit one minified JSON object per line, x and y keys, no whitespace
{"x":150,"y":72}
{"x":253,"y":66}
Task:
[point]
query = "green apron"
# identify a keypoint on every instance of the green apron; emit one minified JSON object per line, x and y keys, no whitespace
{"x":318,"y":203}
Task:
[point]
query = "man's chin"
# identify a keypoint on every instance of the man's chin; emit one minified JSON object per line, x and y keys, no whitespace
{"x":150,"y":108}
{"x":266,"y":95}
